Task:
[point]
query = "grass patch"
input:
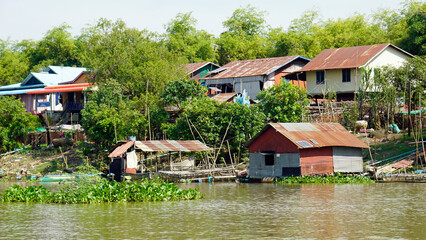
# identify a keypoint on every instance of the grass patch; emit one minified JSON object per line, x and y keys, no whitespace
{"x":389,"y":149}
{"x":102,"y":191}
{"x":331,"y":179}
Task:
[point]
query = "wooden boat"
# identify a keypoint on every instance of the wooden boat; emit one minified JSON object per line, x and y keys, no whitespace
{"x":55,"y":178}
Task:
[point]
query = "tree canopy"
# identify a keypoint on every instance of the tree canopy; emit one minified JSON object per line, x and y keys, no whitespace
{"x":15,"y":122}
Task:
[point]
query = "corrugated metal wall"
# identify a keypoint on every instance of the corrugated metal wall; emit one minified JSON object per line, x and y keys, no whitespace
{"x":347,"y":159}
{"x":316,"y":161}
{"x":258,"y":169}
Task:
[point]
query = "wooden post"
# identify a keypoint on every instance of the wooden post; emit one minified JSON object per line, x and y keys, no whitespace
{"x":409,"y":109}
{"x":170,"y":160}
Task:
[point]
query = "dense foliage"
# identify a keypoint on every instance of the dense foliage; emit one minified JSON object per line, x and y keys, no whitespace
{"x":139,"y":72}
{"x":210,"y":122}
{"x":15,"y":122}
{"x":182,"y":90}
{"x":135,"y":57}
{"x":101,"y":192}
{"x":331,"y":179}
{"x":109,"y":116}
{"x":285,"y":102}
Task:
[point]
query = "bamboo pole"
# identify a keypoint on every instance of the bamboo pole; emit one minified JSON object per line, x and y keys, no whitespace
{"x":223,"y":139}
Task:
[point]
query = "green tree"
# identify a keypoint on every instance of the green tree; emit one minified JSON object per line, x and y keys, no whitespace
{"x":108,"y":116}
{"x":284,"y":102}
{"x":183,"y":38}
{"x":244,"y":37}
{"x":415,"y":42}
{"x":15,"y":122}
{"x":208,"y":121}
{"x":138,"y":60}
{"x":13,"y":65}
{"x":178,"y":91}
{"x":56,"y":48}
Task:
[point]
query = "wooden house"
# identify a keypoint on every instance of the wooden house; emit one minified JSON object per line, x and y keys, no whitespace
{"x":42,"y":91}
{"x":256,"y":74}
{"x":198,"y":70}
{"x":339,"y":70}
{"x":297,"y":149}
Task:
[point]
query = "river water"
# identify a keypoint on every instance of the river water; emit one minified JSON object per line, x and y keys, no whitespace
{"x":234,"y":211}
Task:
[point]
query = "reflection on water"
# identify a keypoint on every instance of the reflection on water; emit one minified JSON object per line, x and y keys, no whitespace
{"x":234,"y":211}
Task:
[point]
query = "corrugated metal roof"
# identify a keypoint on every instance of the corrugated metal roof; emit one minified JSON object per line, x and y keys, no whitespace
{"x":224,"y":97}
{"x":316,"y":134}
{"x":60,"y":75}
{"x":253,"y":67}
{"x":120,"y":150}
{"x":18,"y":91}
{"x":192,"y":67}
{"x":350,"y":57}
{"x":171,"y":145}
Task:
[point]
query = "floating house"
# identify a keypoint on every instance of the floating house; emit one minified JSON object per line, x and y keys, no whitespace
{"x":256,"y":74}
{"x":129,"y":156}
{"x":297,"y":149}
{"x":339,"y":70}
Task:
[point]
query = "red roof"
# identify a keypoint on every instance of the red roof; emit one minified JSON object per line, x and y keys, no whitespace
{"x":121,"y":149}
{"x":62,"y":88}
{"x":350,"y":57}
{"x":253,"y":67}
{"x":314,"y":135}
{"x":192,"y":67}
{"x":402,"y":164}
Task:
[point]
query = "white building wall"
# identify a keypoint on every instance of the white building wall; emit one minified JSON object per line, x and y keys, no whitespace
{"x":347,"y":160}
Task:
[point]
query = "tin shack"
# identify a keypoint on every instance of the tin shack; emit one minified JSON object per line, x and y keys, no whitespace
{"x":297,"y":149}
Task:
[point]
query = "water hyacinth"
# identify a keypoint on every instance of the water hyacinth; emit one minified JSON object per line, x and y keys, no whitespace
{"x":102,"y":191}
{"x":332,"y":179}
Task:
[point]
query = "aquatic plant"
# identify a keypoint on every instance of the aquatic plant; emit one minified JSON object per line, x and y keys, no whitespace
{"x":102,"y":191}
{"x":336,"y":178}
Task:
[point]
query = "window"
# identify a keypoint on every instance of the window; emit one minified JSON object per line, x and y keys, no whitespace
{"x":346,"y":75}
{"x":320,"y":77}
{"x":269,"y":160}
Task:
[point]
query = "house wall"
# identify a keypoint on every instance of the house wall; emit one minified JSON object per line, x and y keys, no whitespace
{"x":333,"y":77}
{"x":29,"y":102}
{"x":390,"y":56}
{"x":333,"y":82}
{"x":347,"y":159}
{"x":258,"y":169}
{"x":83,"y":78}
{"x":316,"y":161}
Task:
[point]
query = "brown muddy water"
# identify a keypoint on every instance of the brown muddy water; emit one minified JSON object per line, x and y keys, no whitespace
{"x":234,"y":211}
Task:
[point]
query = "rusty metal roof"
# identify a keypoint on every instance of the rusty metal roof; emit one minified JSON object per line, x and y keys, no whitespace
{"x":120,"y":150}
{"x":171,"y":145}
{"x":192,"y":67}
{"x":350,"y":57}
{"x":315,"y":135}
{"x":253,"y":67}
{"x":224,"y":97}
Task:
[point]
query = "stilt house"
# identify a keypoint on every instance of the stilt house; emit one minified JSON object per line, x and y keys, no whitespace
{"x":297,"y":149}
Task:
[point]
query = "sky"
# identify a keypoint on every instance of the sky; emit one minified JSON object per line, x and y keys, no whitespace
{"x":31,"y":19}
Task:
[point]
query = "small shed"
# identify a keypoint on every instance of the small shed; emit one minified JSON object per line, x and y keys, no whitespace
{"x":125,"y":160}
{"x":297,"y":149}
